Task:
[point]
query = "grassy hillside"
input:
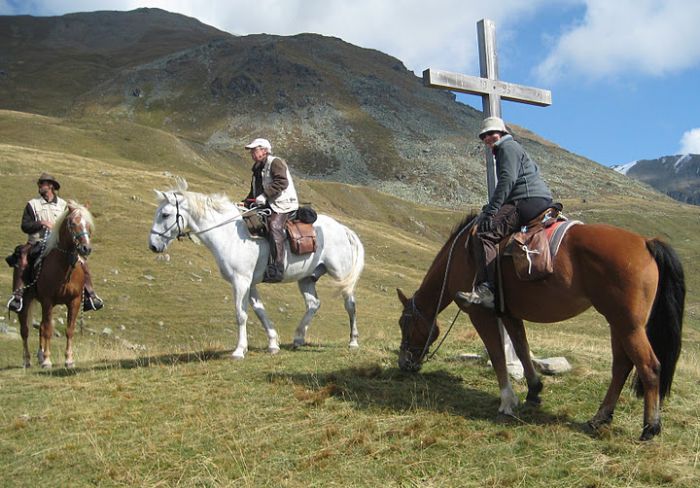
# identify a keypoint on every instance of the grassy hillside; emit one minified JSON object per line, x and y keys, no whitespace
{"x":158,"y":403}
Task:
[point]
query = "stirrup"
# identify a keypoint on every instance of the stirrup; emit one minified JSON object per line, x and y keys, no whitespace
{"x":12,"y":306}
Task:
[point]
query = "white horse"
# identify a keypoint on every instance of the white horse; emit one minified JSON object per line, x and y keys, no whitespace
{"x":242,"y":259}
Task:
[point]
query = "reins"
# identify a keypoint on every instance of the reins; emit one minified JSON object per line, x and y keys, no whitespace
{"x":188,"y":234}
{"x":440,"y":297}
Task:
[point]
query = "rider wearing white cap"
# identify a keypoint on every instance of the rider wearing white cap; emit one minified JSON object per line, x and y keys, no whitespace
{"x":520,"y":195}
{"x":272,"y":186}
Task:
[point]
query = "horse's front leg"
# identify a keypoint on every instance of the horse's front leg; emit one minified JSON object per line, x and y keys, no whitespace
{"x":273,"y":346}
{"x":516,"y":331}
{"x":24,"y":318}
{"x":487,"y":327}
{"x":241,"y":292}
{"x":73,"y":311}
{"x":45,"y":333}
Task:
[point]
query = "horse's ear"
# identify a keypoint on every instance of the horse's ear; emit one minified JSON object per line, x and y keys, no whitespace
{"x":159,"y":195}
{"x":402,"y":297}
{"x":181,"y":183}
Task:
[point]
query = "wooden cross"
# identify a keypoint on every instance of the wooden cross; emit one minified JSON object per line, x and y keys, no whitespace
{"x":492,"y":91}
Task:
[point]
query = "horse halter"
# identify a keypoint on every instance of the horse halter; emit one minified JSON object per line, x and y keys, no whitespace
{"x":178,"y":218}
{"x":79,"y":237}
{"x":406,"y":331}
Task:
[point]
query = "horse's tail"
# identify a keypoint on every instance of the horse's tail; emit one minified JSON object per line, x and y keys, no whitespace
{"x":666,"y":320}
{"x":347,"y":283}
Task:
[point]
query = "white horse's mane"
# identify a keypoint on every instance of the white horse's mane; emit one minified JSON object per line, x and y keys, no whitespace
{"x":199,"y":204}
{"x":71,"y":206}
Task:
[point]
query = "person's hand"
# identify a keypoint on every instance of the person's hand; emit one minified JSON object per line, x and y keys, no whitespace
{"x":261,"y":199}
{"x":485,"y":223}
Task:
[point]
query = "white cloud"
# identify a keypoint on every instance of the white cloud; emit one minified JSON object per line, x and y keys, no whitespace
{"x":690,"y":142}
{"x":649,"y":37}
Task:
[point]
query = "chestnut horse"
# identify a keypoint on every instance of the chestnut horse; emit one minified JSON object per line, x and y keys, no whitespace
{"x":59,"y":281}
{"x":637,"y":284}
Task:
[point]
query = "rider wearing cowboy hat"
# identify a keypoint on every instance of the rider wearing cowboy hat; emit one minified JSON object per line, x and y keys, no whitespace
{"x":40,"y":213}
{"x":272,"y":187}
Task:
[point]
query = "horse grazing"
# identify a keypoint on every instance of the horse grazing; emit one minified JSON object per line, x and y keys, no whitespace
{"x":59,"y":281}
{"x":242,"y":259}
{"x":637,"y":284}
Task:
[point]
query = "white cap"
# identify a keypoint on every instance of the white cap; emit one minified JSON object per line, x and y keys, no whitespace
{"x":260,"y":143}
{"x":491,"y":124}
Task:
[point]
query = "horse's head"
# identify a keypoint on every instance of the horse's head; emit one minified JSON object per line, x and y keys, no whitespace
{"x":75,"y":229}
{"x":417,"y":334}
{"x":169,"y":220}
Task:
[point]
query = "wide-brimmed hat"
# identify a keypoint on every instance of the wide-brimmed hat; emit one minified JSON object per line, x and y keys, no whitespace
{"x":259,"y":142}
{"x":492,"y":124}
{"x":48,"y":177}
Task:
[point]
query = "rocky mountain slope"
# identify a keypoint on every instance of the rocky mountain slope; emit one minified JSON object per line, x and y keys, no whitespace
{"x":677,"y":176}
{"x":335,"y":111}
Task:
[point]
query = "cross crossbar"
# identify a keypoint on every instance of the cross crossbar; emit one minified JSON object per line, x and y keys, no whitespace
{"x":476,"y":85}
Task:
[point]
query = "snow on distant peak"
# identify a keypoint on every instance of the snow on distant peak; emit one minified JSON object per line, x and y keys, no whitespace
{"x":624,"y":168}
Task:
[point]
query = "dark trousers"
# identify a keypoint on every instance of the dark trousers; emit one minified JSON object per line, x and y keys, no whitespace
{"x":276,"y":237}
{"x":509,"y":218}
{"x":485,"y":244}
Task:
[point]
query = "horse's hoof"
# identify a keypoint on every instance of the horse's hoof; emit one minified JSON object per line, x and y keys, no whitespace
{"x":238,"y":355}
{"x":650,"y":431}
{"x":27,"y":365}
{"x":298,"y":343}
{"x":354,"y":345}
{"x":70,"y":365}
{"x":273,"y":350}
{"x":47,"y":365}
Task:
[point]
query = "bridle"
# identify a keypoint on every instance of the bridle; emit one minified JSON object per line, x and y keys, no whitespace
{"x":178,"y":218}
{"x":405,"y":331}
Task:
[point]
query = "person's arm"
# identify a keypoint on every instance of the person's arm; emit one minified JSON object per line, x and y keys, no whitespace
{"x":30,"y":224}
{"x":507,"y":162}
{"x":278,"y":173}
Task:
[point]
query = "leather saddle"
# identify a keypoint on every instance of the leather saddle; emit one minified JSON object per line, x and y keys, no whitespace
{"x":534,"y":247}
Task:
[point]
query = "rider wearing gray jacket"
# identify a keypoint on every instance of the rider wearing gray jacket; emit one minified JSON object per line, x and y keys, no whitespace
{"x":520,"y":195}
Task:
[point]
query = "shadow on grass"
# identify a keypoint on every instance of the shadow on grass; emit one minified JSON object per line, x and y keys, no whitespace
{"x":141,"y":362}
{"x":440,"y":391}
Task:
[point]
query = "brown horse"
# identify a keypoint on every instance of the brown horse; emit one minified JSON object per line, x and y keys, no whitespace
{"x":59,"y":281}
{"x":637,"y":284}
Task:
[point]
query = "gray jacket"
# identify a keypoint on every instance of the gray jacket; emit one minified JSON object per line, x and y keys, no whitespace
{"x":518,"y":176}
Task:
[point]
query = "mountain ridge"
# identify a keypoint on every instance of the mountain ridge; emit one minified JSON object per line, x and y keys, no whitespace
{"x":336,"y":111}
{"x":677,"y":176}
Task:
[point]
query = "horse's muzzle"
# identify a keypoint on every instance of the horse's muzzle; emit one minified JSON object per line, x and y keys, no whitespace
{"x":408,"y":363}
{"x":84,"y":250}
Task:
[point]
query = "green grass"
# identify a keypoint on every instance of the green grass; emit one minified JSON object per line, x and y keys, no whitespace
{"x":159,"y":403}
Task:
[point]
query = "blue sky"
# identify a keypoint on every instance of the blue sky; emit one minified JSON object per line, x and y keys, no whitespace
{"x":624,"y":74}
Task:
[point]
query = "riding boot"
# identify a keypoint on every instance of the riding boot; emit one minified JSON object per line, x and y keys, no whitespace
{"x":276,"y":235}
{"x":16,"y":303}
{"x":90,"y":299}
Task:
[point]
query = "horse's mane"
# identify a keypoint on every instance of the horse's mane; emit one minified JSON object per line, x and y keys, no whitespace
{"x":199,"y":203}
{"x":465,"y":222}
{"x":71,"y":206}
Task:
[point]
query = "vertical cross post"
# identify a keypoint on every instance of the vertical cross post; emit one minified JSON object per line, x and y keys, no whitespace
{"x":491,"y":90}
